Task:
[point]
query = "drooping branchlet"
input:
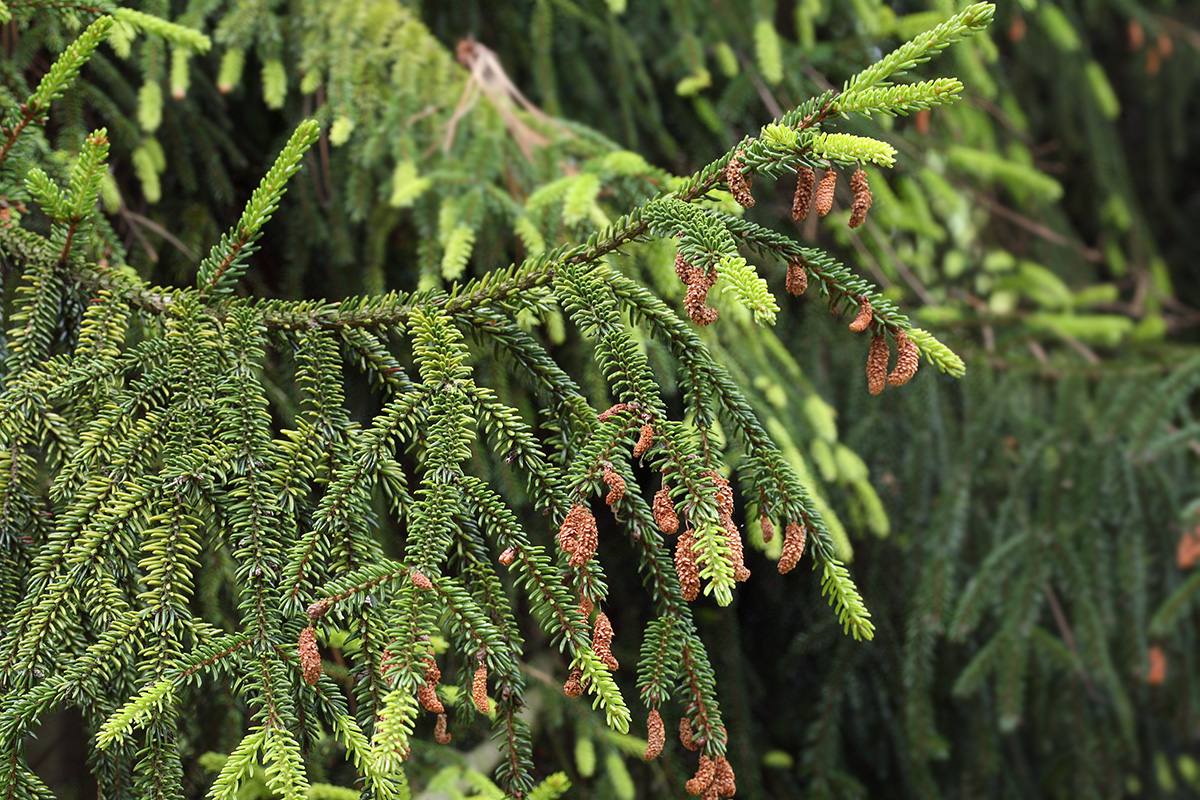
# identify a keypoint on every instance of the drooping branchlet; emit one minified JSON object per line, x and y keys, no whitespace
{"x":602,"y":636}
{"x":877,"y":364}
{"x":797,"y":278}
{"x":479,"y":690}
{"x":794,"y":536}
{"x":664,"y":512}
{"x":656,"y":735}
{"x":908,"y":358}
{"x":862,"y":198}
{"x":440,"y":735}
{"x":739,"y":186}
{"x":824,"y":196}
{"x":802,"y":202}
{"x":616,"y":485}
{"x":310,"y":656}
{"x":645,"y":439}
{"x":686,"y":567}
{"x":865,"y":315}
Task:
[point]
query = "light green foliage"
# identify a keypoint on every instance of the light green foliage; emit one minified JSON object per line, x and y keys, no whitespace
{"x":618,"y":775}
{"x":552,"y":788}
{"x":1016,"y":177}
{"x":693,"y":84}
{"x":900,"y":99}
{"x":340,"y":131}
{"x":150,"y":106}
{"x":922,"y":47}
{"x":766,"y":48}
{"x":945,"y":358}
{"x":1106,"y":98}
{"x":407,"y":186}
{"x":219,"y":272}
{"x":233,"y":61}
{"x":585,"y":756}
{"x":750,"y":289}
{"x":180,"y":75}
{"x":147,"y":169}
{"x":847,"y":148}
{"x":178,"y":35}
{"x":66,"y":67}
{"x":274,"y":83}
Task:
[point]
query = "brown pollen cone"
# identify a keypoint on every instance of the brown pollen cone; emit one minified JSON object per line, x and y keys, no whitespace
{"x":797,"y":278}
{"x":420,"y":580}
{"x":686,"y":567}
{"x":1157,"y":673}
{"x":439,"y":730}
{"x":427,"y":693}
{"x":908,"y":358}
{"x":608,"y":413}
{"x":737,"y":556}
{"x":794,"y":537}
{"x":573,"y":687}
{"x":664,"y":512}
{"x":589,"y":538}
{"x":824,"y":197}
{"x":427,"y":697}
{"x":479,"y":690}
{"x":739,"y":187}
{"x":1188,"y":549}
{"x":616,"y":485}
{"x":862,"y":198}
{"x":645,"y":439}
{"x":864,"y":317}
{"x":695,"y":300}
{"x":656,"y":735}
{"x":724,"y":780}
{"x":310,"y":656}
{"x":602,"y":636}
{"x":877,"y":364}
{"x":705,"y":773}
{"x":768,"y":528}
{"x":507,"y":557}
{"x":568,"y":532}
{"x":682,"y":268}
{"x":685,"y":735}
{"x":805,"y":181}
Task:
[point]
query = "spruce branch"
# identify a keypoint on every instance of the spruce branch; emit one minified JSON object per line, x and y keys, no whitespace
{"x":60,"y":75}
{"x":966,"y":23}
{"x":219,"y":272}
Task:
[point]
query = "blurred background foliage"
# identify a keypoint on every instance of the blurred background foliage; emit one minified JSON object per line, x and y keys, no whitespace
{"x":1021,"y":535}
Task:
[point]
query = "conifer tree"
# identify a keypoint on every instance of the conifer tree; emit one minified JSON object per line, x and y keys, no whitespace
{"x":332,"y":512}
